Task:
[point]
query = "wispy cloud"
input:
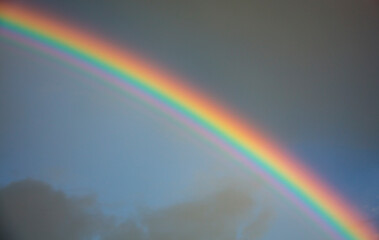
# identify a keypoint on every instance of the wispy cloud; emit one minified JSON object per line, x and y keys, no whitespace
{"x":34,"y":210}
{"x":228,"y":214}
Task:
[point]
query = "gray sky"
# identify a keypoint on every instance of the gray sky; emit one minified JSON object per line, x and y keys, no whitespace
{"x":306,"y":72}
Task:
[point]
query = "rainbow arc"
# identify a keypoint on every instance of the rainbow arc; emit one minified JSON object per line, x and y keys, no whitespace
{"x":133,"y":75}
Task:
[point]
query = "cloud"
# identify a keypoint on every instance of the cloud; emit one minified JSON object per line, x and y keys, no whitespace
{"x":32,"y":210}
{"x":228,"y":214}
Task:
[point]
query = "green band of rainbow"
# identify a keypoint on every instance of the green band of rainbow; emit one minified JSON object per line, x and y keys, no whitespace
{"x":168,"y":93}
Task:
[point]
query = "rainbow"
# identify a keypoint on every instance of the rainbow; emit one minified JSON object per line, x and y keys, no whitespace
{"x":131,"y":74}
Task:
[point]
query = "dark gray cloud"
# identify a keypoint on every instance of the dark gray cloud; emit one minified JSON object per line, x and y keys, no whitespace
{"x":229,"y":214}
{"x":33,"y":210}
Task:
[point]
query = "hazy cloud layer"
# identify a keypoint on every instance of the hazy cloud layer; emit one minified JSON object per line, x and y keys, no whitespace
{"x":33,"y":210}
{"x":229,"y":214}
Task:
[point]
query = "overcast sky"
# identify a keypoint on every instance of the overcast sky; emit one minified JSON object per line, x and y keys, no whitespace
{"x":305,"y":72}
